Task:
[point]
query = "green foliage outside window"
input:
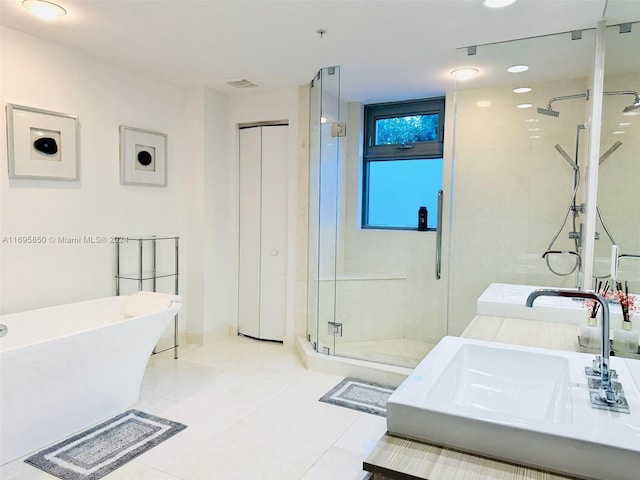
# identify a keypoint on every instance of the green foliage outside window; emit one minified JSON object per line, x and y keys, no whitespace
{"x":407,"y":129}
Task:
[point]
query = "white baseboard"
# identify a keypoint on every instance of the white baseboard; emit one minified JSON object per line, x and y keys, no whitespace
{"x":289,"y":342}
{"x":194,"y":338}
{"x":167,"y":342}
{"x":219,"y":333}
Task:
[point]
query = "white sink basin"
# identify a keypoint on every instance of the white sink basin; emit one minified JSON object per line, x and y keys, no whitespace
{"x":520,"y":404}
{"x":484,"y":381}
{"x":509,"y":300}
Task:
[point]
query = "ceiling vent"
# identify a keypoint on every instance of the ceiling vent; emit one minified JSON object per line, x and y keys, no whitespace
{"x":241,"y":83}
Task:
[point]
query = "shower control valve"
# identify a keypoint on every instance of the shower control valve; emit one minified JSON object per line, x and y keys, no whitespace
{"x":578,"y":208}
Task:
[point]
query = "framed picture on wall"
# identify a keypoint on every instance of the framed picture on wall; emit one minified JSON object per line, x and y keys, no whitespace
{"x":42,"y":144}
{"x":143,"y":157}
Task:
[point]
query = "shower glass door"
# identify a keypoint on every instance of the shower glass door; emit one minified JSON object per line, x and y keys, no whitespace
{"x":323,"y":208}
{"x":520,"y":166}
{"x":373,"y":292}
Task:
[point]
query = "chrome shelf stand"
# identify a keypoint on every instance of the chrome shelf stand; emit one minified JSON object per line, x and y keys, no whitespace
{"x":141,"y":275}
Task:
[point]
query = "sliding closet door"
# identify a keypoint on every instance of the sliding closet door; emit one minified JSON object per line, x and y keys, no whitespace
{"x":263,"y":231}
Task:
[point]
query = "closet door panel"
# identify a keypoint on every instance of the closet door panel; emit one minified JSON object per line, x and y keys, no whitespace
{"x":274,"y":232}
{"x":274,"y":199}
{"x":249,"y":243}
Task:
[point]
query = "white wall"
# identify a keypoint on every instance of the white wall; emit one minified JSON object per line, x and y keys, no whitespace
{"x":47,"y":76}
{"x":220,"y":217}
{"x":200,"y":203}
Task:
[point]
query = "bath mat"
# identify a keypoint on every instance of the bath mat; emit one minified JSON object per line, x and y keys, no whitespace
{"x":359,"y":395}
{"x":94,"y":453}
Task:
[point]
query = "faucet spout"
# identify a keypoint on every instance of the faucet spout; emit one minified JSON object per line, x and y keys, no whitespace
{"x":607,"y":393}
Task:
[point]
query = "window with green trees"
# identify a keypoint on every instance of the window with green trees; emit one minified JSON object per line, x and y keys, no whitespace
{"x":402,"y":163}
{"x":407,"y":129}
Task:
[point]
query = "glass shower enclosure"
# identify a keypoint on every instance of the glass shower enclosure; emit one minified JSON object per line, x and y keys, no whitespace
{"x":517,"y":154}
{"x":371,"y":292}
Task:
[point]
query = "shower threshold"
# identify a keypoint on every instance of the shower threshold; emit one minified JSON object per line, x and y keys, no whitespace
{"x":399,"y":352}
{"x":382,"y":373}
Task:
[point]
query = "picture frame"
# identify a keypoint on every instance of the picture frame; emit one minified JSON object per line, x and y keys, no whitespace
{"x":143,"y":157}
{"x":42,"y":144}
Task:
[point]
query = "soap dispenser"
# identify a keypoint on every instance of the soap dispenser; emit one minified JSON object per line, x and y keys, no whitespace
{"x":422,"y":219}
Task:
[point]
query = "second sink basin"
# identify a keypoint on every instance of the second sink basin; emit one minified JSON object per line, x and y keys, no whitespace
{"x":519,"y":404}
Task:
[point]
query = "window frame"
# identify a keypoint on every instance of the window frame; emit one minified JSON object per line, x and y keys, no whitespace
{"x":417,"y":151}
{"x":430,"y":149}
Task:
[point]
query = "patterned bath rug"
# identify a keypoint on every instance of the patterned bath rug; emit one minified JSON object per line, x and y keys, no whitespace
{"x":100,"y":450}
{"x":359,"y":395}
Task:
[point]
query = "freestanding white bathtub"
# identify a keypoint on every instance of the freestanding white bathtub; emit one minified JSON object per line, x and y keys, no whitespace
{"x":65,"y":368}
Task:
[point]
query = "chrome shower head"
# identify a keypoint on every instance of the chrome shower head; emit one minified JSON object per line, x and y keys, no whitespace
{"x":636,"y":99}
{"x":634,"y":106}
{"x":548,"y":111}
{"x":551,"y":112}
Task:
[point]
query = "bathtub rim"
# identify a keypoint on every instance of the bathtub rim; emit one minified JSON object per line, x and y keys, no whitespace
{"x":115,"y":300}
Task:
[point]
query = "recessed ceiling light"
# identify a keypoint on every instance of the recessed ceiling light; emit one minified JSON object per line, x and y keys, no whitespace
{"x":483,"y":103}
{"x":498,"y":3}
{"x":617,"y":132}
{"x":524,"y":105}
{"x":42,"y":9}
{"x":522,"y":90}
{"x":630,"y":114}
{"x":534,"y":129}
{"x":534,"y":136}
{"x":464,"y":73}
{"x":517,"y":68}
{"x":532,"y":120}
{"x":625,"y":124}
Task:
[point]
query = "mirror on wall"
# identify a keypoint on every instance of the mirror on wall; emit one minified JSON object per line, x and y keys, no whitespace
{"x":519,"y":166}
{"x":619,"y":169}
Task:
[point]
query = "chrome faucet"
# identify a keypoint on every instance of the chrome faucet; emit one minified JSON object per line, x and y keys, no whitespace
{"x":607,"y":393}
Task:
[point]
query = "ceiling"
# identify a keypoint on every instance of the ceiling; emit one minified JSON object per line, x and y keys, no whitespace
{"x":392,"y":49}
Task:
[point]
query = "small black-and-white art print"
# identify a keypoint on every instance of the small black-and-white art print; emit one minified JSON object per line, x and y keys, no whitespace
{"x":145,"y":158}
{"x":45,"y":144}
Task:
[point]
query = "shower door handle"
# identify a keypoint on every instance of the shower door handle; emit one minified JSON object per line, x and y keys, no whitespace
{"x":439,"y":236}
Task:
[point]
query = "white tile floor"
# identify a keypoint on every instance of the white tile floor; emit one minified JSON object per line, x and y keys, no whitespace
{"x":252,"y":412}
